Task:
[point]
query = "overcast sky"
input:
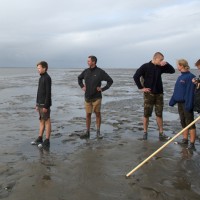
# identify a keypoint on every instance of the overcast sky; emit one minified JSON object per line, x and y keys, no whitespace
{"x":121,"y":33}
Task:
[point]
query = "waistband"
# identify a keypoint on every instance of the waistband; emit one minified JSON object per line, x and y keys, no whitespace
{"x":91,"y":100}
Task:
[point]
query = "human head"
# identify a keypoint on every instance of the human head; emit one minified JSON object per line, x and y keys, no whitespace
{"x":197,"y":64}
{"x":182,"y":65}
{"x":157,"y":58}
{"x":42,"y":67}
{"x":92,"y":61}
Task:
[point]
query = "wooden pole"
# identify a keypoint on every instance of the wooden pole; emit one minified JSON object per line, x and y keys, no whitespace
{"x":161,"y":148}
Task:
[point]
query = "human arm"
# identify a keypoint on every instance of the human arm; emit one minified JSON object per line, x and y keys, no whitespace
{"x":108,"y":79}
{"x":189,"y":96}
{"x":80,"y":80}
{"x":139,"y":79}
{"x":47,"y":103}
{"x":172,"y":101}
{"x":167,"y":68}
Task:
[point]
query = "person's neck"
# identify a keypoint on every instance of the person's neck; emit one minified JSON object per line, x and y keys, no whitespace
{"x":184,"y":70}
{"x":92,"y":67}
{"x":153,"y":62}
{"x":42,"y":73}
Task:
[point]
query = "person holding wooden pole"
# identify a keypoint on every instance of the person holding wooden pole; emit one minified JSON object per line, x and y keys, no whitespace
{"x":183,"y":95}
{"x":196,"y":81}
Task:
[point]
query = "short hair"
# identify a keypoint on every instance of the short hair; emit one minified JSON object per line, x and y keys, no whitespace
{"x":197,"y":63}
{"x":158,"y":54}
{"x":93,"y":58}
{"x":184,"y":63}
{"x":44,"y":64}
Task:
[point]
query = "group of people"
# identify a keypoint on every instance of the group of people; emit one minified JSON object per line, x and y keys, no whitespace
{"x":147,"y":78}
{"x":93,"y":77}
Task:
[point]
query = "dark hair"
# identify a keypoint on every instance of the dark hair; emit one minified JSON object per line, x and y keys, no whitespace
{"x":197,"y":63}
{"x":43,"y":64}
{"x":93,"y":58}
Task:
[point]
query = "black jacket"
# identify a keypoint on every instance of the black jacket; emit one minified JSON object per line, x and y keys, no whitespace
{"x":93,"y":78}
{"x":197,"y":100}
{"x":44,"y":91}
{"x":152,"y":76}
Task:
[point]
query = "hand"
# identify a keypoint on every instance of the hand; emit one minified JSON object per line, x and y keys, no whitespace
{"x":194,"y":80}
{"x":146,"y":90}
{"x":99,"y":89}
{"x":44,"y":110}
{"x":84,"y":88}
{"x":163,"y":63}
{"x":36,"y":108}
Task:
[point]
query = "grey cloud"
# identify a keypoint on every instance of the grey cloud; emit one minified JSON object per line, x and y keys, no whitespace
{"x":119,"y":33}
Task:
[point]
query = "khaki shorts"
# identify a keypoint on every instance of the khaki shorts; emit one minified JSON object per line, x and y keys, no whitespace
{"x":185,"y":117}
{"x":93,"y":106}
{"x":151,"y":100}
{"x":44,"y":115}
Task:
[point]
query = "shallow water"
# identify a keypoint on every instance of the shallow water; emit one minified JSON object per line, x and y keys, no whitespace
{"x":89,"y":169}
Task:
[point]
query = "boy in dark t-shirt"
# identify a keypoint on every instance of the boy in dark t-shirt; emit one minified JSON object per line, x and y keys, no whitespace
{"x":43,"y":104}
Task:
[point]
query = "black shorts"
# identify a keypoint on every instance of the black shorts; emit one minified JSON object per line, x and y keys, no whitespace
{"x":44,"y":115}
{"x":185,"y":117}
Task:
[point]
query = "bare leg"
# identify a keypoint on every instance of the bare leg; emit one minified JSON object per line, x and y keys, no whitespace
{"x":145,"y":124}
{"x":160,"y":124}
{"x":42,"y":127}
{"x":88,"y":123}
{"x":88,"y":120}
{"x":98,"y":120}
{"x":48,"y":128}
{"x":185,"y":134}
{"x":192,"y":135}
{"x":191,"y":147}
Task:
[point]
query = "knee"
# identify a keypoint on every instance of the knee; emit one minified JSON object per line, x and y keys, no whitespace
{"x":98,"y":114}
{"x":159,"y":115}
{"x":88,"y":115}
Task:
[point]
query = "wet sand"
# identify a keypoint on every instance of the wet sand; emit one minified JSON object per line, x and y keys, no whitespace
{"x":91,"y":169}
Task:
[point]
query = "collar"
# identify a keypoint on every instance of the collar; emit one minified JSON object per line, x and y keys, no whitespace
{"x":93,"y":68}
{"x":43,"y":74}
{"x":185,"y":72}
